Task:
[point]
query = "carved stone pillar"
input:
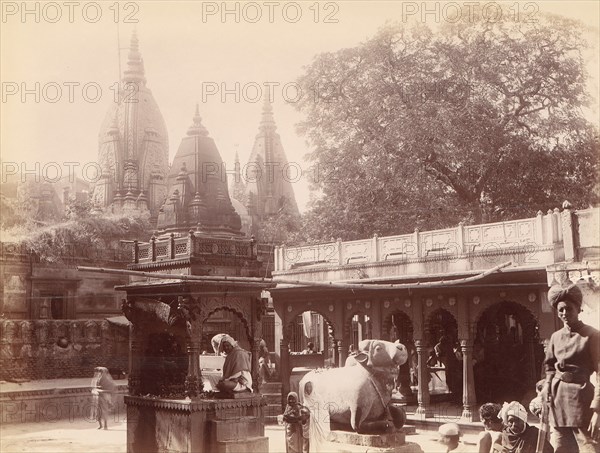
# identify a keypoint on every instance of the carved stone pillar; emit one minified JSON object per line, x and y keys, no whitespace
{"x":284,"y":370}
{"x":254,"y":370}
{"x":335,"y":351}
{"x":341,"y":353}
{"x":193,"y":380}
{"x":259,"y":309}
{"x":469,"y":413}
{"x":423,"y":408}
{"x":135,"y":359}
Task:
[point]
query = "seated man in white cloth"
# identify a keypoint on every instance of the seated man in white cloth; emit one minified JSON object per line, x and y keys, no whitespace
{"x":236,"y":369}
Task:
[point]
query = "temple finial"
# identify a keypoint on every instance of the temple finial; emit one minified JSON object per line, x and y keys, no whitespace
{"x":267,"y":121}
{"x":135,"y":65}
{"x":197,"y":128}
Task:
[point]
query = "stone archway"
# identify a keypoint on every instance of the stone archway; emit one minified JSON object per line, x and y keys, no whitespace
{"x":440,"y":323}
{"x":229,"y":321}
{"x":357,"y":327}
{"x":295,"y":362}
{"x":397,"y":326}
{"x":294,"y":333}
{"x":507,"y":352}
{"x":441,"y":335}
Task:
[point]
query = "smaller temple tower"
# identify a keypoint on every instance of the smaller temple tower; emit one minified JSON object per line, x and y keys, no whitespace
{"x":198,"y":197}
{"x":264,"y":185}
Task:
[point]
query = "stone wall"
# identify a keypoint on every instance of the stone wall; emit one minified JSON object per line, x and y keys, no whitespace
{"x":54,"y":404}
{"x":51,"y":349}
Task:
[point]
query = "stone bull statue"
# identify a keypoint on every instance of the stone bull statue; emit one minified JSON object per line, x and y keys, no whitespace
{"x":357,"y":395}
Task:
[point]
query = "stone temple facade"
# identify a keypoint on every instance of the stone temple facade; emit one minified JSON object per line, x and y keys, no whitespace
{"x":133,"y":147}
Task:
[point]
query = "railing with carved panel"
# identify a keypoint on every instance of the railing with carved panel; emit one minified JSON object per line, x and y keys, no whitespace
{"x":588,"y":222}
{"x":171,"y":247}
{"x":519,"y":235}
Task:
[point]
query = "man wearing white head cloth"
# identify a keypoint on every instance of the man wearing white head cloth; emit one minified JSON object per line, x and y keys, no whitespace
{"x":517,"y":436}
{"x":236,"y":369}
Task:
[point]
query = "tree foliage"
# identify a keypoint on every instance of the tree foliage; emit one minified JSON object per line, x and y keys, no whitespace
{"x":97,"y":238}
{"x":34,"y":217}
{"x":481,"y":121}
{"x":281,"y":227}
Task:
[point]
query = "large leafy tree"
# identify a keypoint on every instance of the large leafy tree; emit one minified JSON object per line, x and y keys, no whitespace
{"x":480,"y":121}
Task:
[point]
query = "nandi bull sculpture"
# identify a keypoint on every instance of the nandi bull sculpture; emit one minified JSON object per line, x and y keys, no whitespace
{"x":356,"y":397}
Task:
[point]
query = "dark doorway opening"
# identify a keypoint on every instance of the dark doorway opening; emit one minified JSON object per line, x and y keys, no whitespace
{"x":445,"y":359}
{"x":507,"y":354}
{"x":57,"y":307}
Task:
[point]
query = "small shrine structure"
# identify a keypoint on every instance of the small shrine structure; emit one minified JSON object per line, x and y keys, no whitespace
{"x":214,"y":269}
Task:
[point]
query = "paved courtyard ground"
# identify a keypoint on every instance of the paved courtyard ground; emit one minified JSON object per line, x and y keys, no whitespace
{"x":79,"y":435}
{"x":82,"y":436}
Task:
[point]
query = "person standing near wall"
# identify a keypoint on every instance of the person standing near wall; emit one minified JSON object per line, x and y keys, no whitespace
{"x":571,"y":357}
{"x":102,"y":388}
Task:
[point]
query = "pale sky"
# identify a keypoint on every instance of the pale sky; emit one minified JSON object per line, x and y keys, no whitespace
{"x":183,"y":53}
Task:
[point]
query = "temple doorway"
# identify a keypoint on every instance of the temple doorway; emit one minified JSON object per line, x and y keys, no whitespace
{"x":507,"y":353}
{"x":444,"y":360}
{"x":309,"y":328}
{"x":398,"y":327}
{"x":361,"y":328}
{"x":311,"y":345}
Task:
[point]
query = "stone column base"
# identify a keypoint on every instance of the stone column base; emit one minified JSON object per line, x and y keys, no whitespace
{"x":469,"y":415}
{"x":424,"y":412}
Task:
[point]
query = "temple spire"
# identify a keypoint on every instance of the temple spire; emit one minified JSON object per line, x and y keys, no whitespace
{"x":267,"y":121}
{"x":197,"y":128}
{"x":135,"y":65}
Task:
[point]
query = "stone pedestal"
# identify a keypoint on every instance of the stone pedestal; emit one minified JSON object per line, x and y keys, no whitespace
{"x":346,"y":441}
{"x":207,"y":425}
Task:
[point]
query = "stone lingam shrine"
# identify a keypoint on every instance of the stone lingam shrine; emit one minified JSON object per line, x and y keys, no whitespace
{"x":168,"y":406}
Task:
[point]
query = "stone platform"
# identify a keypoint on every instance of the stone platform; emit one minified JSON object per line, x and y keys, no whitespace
{"x":202,"y":425}
{"x":345,"y":441}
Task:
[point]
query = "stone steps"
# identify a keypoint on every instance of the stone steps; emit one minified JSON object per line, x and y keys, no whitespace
{"x":272,"y":393}
{"x":270,"y":387}
{"x":272,"y":398}
{"x":244,"y":434}
{"x":234,"y":429}
{"x":248,"y":445}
